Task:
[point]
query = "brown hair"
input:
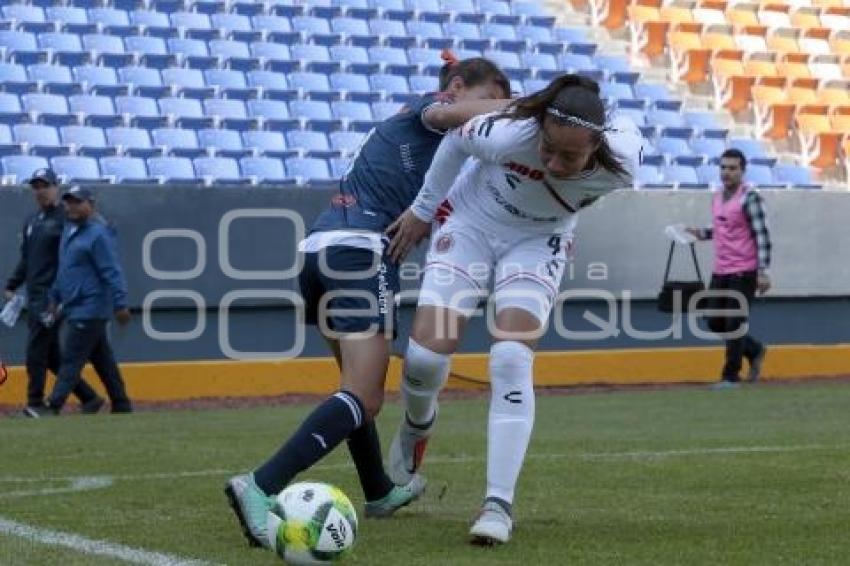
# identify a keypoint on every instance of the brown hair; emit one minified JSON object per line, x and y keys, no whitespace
{"x":571,"y":100}
{"x":474,"y":72}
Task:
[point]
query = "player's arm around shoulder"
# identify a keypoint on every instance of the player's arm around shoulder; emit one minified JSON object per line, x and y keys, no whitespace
{"x":445,"y":117}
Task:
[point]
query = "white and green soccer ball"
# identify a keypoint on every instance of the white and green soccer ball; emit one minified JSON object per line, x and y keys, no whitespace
{"x":312,"y":523}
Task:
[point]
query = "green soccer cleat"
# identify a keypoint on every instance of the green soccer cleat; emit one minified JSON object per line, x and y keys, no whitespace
{"x":251,"y":507}
{"x":398,"y":497}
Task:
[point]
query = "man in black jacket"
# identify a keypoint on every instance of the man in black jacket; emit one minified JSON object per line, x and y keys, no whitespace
{"x":37,"y":269}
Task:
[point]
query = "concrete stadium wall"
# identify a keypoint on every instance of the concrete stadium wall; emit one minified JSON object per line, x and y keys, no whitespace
{"x":623,"y":233}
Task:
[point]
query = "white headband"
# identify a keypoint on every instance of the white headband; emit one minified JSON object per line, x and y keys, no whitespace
{"x":574,"y":120}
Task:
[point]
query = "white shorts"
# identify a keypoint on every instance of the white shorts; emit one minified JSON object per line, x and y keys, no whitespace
{"x":526,"y":272}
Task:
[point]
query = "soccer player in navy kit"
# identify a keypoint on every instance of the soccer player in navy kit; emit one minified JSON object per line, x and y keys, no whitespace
{"x":346,"y":268}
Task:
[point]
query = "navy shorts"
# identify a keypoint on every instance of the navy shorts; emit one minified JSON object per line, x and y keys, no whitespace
{"x":369,"y":289}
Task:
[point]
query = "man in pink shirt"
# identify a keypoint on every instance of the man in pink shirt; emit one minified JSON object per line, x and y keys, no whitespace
{"x":741,"y":260}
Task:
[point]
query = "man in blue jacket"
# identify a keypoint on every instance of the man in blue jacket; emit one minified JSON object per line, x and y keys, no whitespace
{"x":89,"y":288}
{"x":36,"y":271}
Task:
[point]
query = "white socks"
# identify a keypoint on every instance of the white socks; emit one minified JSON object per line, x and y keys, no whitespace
{"x":425,"y":373}
{"x":511,"y":416}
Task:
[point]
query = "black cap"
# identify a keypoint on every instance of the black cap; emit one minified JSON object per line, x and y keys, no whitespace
{"x":78,"y":193}
{"x":45,"y":176}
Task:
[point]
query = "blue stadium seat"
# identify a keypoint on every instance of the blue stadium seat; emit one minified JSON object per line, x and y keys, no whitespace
{"x":352,"y":110}
{"x":175,"y":139}
{"x":140,"y":76}
{"x":17,"y":41}
{"x":262,"y":168}
{"x":425,"y":57}
{"x":76,"y":168}
{"x":128,"y":138}
{"x":145,"y":44}
{"x":225,"y":142}
{"x":190,"y":20}
{"x":231,"y":22}
{"x":339,"y":166}
{"x":229,"y":49}
{"x":310,"y":53}
{"x":543,"y":61}
{"x":181,"y":107}
{"x":390,"y":28}
{"x":534,"y":34}
{"x":268,"y":23}
{"x":108,"y":48}
{"x":457,"y":6}
{"x":673,"y":146}
{"x":124,"y":168}
{"x":665,"y":118}
{"x":616,"y":90}
{"x":217,"y":168}
{"x":708,"y":174}
{"x":268,"y":109}
{"x":422,"y":84}
{"x":23,"y":13}
{"x":310,"y":109}
{"x":308,"y":168}
{"x":311,"y":25}
{"x":67,"y":15}
{"x":46,"y":103}
{"x":350,"y":82}
{"x":793,"y":174}
{"x":349,"y":54}
{"x":48,"y":73}
{"x":647,"y":174}
{"x":751,"y":148}
{"x":498,"y":32}
{"x":710,"y":147}
{"x":83,"y":136}
{"x":346,"y":142}
{"x":653,"y":91}
{"x":267,"y":80}
{"x":350,"y":26}
{"x":60,"y":41}
{"x":307,"y":140}
{"x":702,"y":120}
{"x":424,"y":29}
{"x":183,"y":78}
{"x":21,"y":167}
{"x":36,"y":134}
{"x":494,"y":7}
{"x":528,"y":9}
{"x":270,"y":50}
{"x":109,"y":16}
{"x":225,"y":78}
{"x":612,"y":63}
{"x":383,"y":110}
{"x":140,"y":110}
{"x":187,"y":47}
{"x":225,"y":108}
{"x":759,"y":175}
{"x":680,"y":174}
{"x":533,"y":85}
{"x":9,"y":103}
{"x":93,"y":75}
{"x":388,"y":55}
{"x":311,"y":82}
{"x":461,"y":30}
{"x":171,"y":168}
{"x":390,"y":84}
{"x":263,"y":141}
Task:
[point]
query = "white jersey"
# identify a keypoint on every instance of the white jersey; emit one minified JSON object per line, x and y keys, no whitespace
{"x":506,"y":188}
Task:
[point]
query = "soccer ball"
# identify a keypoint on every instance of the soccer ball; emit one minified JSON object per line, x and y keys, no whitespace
{"x":312,"y":523}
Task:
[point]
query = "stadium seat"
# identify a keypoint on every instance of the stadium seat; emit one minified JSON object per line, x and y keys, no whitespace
{"x":225,"y":108}
{"x":680,"y":174}
{"x":128,"y":138}
{"x":220,"y":141}
{"x":346,"y":142}
{"x":75,"y":168}
{"x":759,"y":175}
{"x":23,"y":13}
{"x":217,"y":168}
{"x":123,"y":168}
{"x":83,"y":136}
{"x":171,"y":168}
{"x":268,"y":109}
{"x":308,"y":168}
{"x":267,"y":79}
{"x":307,"y":141}
{"x":262,"y":168}
{"x":109,"y":16}
{"x":648,"y":175}
{"x":21,"y":167}
{"x":60,"y":41}
{"x":792,"y":174}
{"x":36,"y":134}
{"x":145,"y":45}
{"x":264,"y":141}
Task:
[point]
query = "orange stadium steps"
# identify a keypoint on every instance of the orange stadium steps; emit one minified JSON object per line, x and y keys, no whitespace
{"x":819,"y":140}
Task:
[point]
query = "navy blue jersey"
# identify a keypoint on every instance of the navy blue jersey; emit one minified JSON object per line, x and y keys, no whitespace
{"x":387,"y":172}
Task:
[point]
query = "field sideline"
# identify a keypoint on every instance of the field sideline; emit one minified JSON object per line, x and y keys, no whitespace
{"x":753,"y":476}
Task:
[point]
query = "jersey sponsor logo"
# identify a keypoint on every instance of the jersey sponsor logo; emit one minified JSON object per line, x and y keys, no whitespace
{"x":444,"y":243}
{"x":525,"y":171}
{"x":343,"y":200}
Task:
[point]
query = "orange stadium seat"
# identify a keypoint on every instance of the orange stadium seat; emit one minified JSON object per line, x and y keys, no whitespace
{"x":815,"y":41}
{"x":649,"y":26}
{"x":794,"y":66}
{"x":731,"y":84}
{"x":819,"y":142}
{"x":774,"y":17}
{"x":772,"y":110}
{"x":743,"y":15}
{"x":826,"y":67}
{"x":690,"y":52}
{"x":834,"y":93}
{"x":828,"y":3}
{"x":805,"y":17}
{"x":784,"y":40}
{"x":709,"y":14}
{"x":840,"y":42}
{"x":836,"y":18}
{"x":613,"y":13}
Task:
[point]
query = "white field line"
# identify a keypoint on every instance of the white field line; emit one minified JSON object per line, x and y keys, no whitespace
{"x":87,"y":481}
{"x":94,"y":547}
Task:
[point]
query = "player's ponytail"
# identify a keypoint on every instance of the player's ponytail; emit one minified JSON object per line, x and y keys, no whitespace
{"x":473,"y":72}
{"x":572,"y":100}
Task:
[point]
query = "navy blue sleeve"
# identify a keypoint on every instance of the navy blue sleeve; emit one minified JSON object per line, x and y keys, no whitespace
{"x":422,"y":104}
{"x":105,"y":257}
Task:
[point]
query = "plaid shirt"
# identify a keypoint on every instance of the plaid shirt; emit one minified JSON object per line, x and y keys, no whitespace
{"x":754,"y":209}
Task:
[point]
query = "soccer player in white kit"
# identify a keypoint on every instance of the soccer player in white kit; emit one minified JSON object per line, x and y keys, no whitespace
{"x":509,"y":216}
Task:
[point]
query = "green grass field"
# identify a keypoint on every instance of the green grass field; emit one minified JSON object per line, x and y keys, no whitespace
{"x":754,"y":476}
